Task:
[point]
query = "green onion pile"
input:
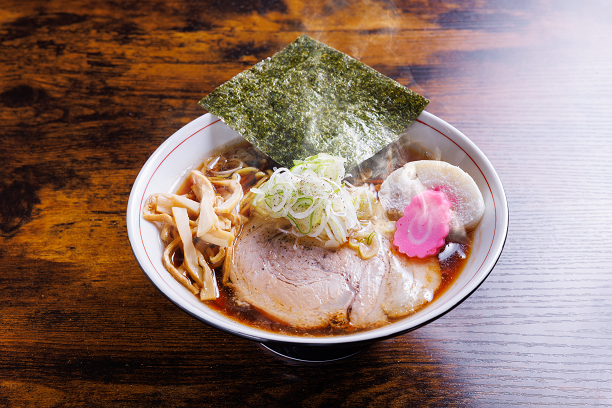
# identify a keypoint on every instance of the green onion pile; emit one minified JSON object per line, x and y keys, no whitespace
{"x":314,"y":199}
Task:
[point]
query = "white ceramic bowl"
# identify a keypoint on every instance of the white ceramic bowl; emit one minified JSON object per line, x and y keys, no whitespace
{"x":185,"y":149}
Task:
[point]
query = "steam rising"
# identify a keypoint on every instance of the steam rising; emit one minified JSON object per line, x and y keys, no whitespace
{"x":376,"y":23}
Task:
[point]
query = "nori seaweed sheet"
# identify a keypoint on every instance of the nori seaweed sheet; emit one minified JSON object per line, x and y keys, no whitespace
{"x":310,"y":98}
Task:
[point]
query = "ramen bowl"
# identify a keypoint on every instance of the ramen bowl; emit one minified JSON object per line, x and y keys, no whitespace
{"x":186,"y":149}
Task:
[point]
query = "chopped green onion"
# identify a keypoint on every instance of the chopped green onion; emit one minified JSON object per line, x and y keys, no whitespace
{"x":370,"y":237}
{"x":313,"y":198}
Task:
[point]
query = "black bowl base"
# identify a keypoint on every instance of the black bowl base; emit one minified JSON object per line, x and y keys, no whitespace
{"x":317,"y":354}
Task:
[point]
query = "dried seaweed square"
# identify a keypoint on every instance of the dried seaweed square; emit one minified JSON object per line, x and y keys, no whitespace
{"x":310,"y":98}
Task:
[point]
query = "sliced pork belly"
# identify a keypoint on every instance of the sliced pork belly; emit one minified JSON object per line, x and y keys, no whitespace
{"x":310,"y":286}
{"x":412,"y":283}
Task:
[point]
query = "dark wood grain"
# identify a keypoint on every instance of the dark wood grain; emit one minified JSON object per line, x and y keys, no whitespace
{"x":89,"y":89}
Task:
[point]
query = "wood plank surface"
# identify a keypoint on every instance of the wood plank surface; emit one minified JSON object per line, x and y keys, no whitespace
{"x":89,"y":89}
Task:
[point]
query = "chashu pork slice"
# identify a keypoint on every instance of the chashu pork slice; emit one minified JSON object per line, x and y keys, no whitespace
{"x":306,"y":285}
{"x":411,"y":283}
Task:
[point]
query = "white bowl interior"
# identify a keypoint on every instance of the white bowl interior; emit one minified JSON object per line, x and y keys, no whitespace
{"x":190,"y":145}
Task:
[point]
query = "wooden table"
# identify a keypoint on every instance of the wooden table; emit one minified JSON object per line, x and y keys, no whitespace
{"x":89,"y":89}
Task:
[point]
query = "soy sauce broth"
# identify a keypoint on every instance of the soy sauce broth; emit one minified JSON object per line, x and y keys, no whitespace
{"x":452,"y":258}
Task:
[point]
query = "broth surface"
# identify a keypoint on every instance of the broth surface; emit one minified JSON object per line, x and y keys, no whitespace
{"x":452,"y":257}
